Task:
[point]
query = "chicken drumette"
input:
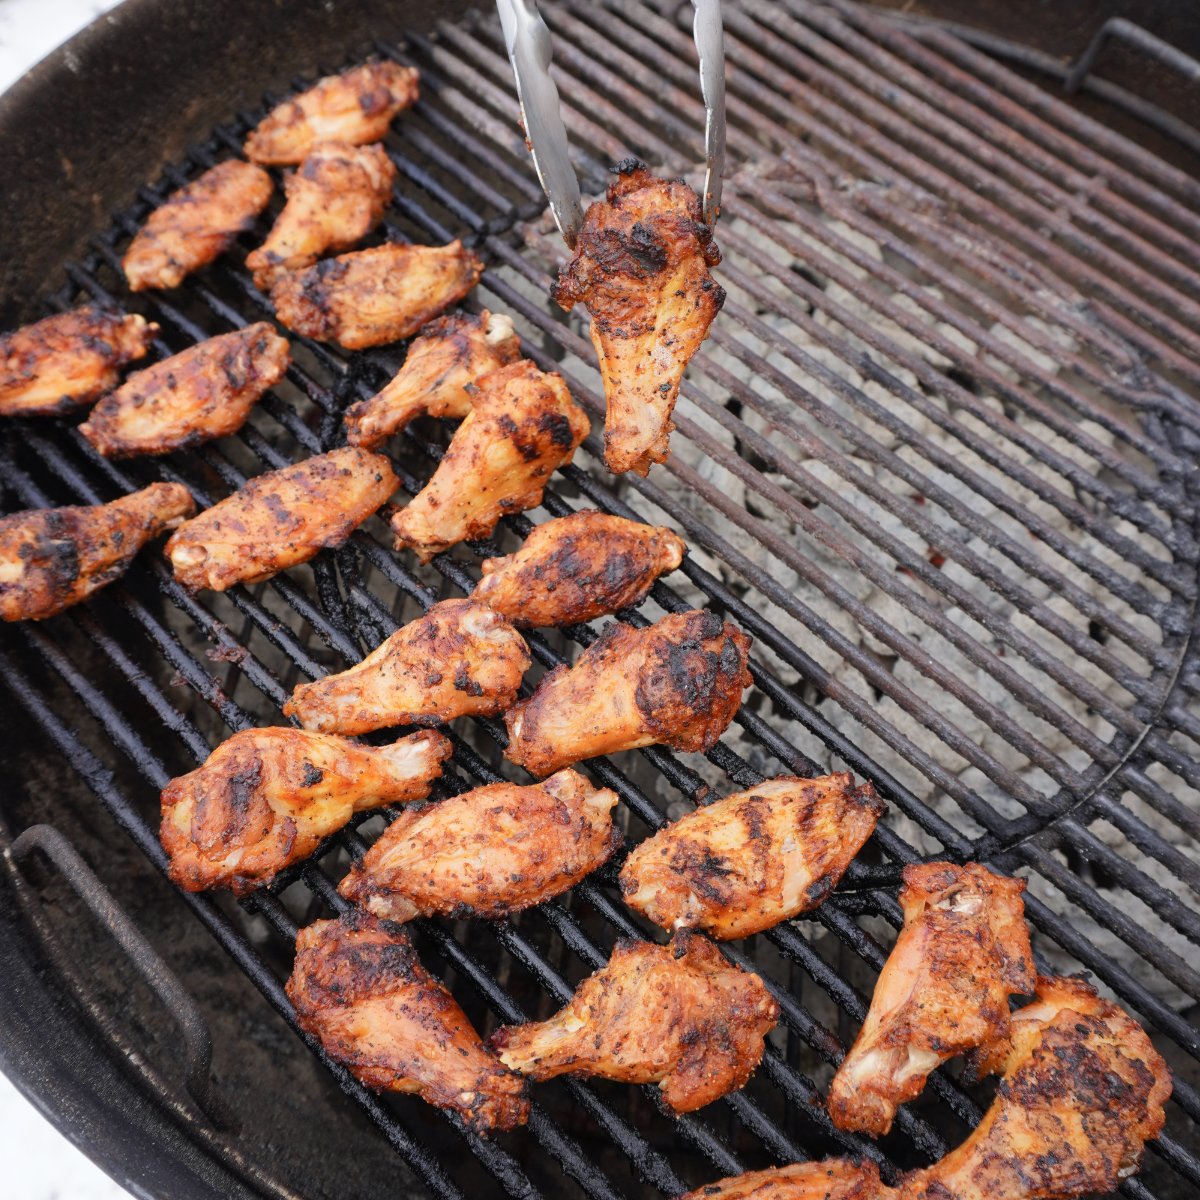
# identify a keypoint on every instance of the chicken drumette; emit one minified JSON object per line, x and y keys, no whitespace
{"x":834,"y":1179}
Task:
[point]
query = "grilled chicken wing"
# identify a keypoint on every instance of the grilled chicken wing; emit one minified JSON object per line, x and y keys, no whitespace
{"x":578,"y":568}
{"x":196,"y":224}
{"x":355,"y":107}
{"x":459,"y":659}
{"x":487,"y":853}
{"x":267,"y":797}
{"x":641,"y":270}
{"x":68,"y":360}
{"x":202,"y":393}
{"x":944,"y":989}
{"x":280,"y":519}
{"x":522,"y":426}
{"x":442,"y":364}
{"x":51,"y":558}
{"x":833,"y":1179}
{"x":359,"y":988}
{"x":335,"y":198}
{"x":678,"y":682}
{"x":375,"y":296}
{"x":678,"y":1015}
{"x":743,"y":864}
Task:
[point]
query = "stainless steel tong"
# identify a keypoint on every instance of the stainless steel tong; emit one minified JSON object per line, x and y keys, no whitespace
{"x":529,"y":50}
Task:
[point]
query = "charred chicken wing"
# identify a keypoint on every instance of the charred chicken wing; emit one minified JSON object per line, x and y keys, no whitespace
{"x":359,"y":988}
{"x":267,"y":797}
{"x":641,"y":270}
{"x":51,"y":558}
{"x":678,"y":1015}
{"x":833,"y":1179}
{"x":280,"y":519}
{"x":459,"y":659}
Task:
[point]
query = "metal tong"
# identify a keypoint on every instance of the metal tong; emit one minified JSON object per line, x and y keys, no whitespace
{"x":529,"y":50}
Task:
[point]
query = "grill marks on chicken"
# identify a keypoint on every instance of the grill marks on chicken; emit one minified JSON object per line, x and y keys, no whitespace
{"x":745,"y":863}
{"x":641,"y":268}
{"x":522,"y":426}
{"x":359,"y":988}
{"x":52,"y":558}
{"x":280,"y":519}
{"x":834,"y":1179}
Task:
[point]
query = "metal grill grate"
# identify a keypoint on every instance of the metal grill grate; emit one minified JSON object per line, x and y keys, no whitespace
{"x":938,"y":458}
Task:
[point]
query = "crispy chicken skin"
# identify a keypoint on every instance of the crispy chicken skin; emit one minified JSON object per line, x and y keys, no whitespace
{"x":68,"y":360}
{"x":678,"y":1015}
{"x":372,"y":297}
{"x":833,"y":1179}
{"x":677,"y":682}
{"x":196,"y":224}
{"x":355,"y":107}
{"x":641,"y":270}
{"x":489,"y":852}
{"x":51,"y":558}
{"x":578,"y":568}
{"x":522,"y":426}
{"x":266,"y":798}
{"x":280,"y":519}
{"x":745,"y":863}
{"x":435,"y":381}
{"x":459,"y":659}
{"x":202,"y":393}
{"x":944,"y":989}
{"x":359,"y":988}
{"x":335,"y":198}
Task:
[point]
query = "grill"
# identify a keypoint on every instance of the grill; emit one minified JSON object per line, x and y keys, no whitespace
{"x":938,"y":457}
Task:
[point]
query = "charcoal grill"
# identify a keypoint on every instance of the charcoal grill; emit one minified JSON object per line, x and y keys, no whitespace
{"x":938,"y":458}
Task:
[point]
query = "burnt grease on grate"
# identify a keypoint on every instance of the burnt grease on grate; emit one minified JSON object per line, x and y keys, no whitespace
{"x":937,"y":458}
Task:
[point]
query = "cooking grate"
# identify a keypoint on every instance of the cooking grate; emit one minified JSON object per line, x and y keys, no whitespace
{"x":938,"y":458}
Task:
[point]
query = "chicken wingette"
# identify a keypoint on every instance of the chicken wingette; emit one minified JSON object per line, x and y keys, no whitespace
{"x":833,"y":1179}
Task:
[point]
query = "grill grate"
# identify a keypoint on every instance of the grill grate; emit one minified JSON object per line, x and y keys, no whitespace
{"x":938,"y":458}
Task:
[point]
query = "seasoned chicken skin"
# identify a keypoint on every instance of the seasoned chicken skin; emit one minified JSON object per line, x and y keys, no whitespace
{"x":641,"y":269}
{"x":196,"y":224}
{"x":833,"y":1179}
{"x":459,"y":659}
{"x":944,"y":989}
{"x":437,"y":377}
{"x":68,"y":360}
{"x":281,"y":519}
{"x":522,"y":426}
{"x":202,"y":393}
{"x":358,"y":987}
{"x":266,"y":798}
{"x":578,"y":568}
{"x":677,"y":682}
{"x":372,"y":297}
{"x":745,"y":863}
{"x":335,"y":198}
{"x":51,"y":558}
{"x":678,"y":1015}
{"x":355,"y":107}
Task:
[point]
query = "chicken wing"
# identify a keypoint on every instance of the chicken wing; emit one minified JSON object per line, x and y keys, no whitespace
{"x":355,"y":107}
{"x":267,"y":797}
{"x":280,"y":519}
{"x":944,"y":989}
{"x":487,"y":853}
{"x":196,"y":224}
{"x":372,"y":297}
{"x":335,"y":198}
{"x":641,"y":270}
{"x":68,"y":360}
{"x":449,"y":356}
{"x":833,"y":1179}
{"x":746,"y":863}
{"x":51,"y":558}
{"x":459,"y":659}
{"x":202,"y":393}
{"x":678,"y":1015}
{"x":359,"y":988}
{"x":522,"y":426}
{"x":678,"y":682}
{"x":578,"y":568}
